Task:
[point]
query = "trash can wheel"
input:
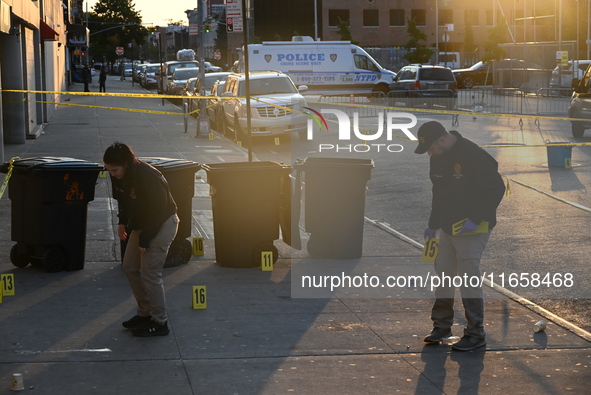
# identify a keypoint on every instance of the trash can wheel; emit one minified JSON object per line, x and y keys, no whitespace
{"x":319,"y":246}
{"x":54,"y":259}
{"x":264,"y":247}
{"x":18,"y":258}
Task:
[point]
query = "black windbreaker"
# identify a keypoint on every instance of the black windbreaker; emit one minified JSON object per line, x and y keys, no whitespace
{"x":466,"y":184}
{"x":144,"y":200}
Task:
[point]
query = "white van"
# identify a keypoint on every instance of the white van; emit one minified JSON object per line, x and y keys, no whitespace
{"x":326,"y":67}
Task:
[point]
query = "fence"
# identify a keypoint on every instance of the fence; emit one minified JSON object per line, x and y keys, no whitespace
{"x":545,"y":102}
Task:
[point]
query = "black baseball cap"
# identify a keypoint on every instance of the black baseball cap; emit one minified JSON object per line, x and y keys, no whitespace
{"x":428,"y":133}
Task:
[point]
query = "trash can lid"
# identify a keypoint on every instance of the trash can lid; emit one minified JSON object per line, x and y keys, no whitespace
{"x":338,"y":162}
{"x":171,"y":164}
{"x":56,"y":164}
{"x":244,"y":166}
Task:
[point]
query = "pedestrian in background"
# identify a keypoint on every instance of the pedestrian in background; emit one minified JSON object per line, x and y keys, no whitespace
{"x":467,"y":189}
{"x":146,"y":207}
{"x":103,"y":79}
{"x":86,"y":77}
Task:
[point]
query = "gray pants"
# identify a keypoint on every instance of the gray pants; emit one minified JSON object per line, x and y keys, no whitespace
{"x":459,"y":255}
{"x":144,"y":272}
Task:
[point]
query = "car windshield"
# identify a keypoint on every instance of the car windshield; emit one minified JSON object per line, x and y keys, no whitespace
{"x":185,"y":74}
{"x":477,"y":66}
{"x":436,"y":74}
{"x":266,"y":86}
{"x":152,"y":69}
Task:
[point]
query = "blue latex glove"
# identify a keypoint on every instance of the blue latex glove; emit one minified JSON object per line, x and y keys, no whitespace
{"x":429,"y":233}
{"x":469,"y":226}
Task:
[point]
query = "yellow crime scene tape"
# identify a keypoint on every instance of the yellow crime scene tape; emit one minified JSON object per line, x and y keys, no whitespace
{"x":7,"y":176}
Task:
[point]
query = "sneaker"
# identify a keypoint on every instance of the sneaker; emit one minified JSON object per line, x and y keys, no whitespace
{"x":437,"y":335}
{"x":468,"y":343}
{"x":154,"y":329}
{"x":136,"y":322}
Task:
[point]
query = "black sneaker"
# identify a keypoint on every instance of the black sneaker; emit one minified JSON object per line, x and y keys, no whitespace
{"x":468,"y":343}
{"x":154,"y":329}
{"x":437,"y":335}
{"x":136,"y":322}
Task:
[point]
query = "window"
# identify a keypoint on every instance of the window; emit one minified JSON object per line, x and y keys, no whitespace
{"x":397,"y":18}
{"x":371,"y":18}
{"x":471,"y":18}
{"x":407,"y":74}
{"x":335,"y":16}
{"x":445,"y":17}
{"x":420,"y":17}
{"x":489,"y":17}
{"x":363,"y":63}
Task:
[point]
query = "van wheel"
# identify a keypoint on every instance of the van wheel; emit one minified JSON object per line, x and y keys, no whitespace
{"x":577,"y":128}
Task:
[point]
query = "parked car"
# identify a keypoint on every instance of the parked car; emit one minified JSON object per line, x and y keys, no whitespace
{"x":149,"y":77}
{"x":271,"y":117}
{"x":208,"y":81}
{"x":137,"y":72}
{"x":420,"y":84}
{"x":179,"y":79}
{"x":580,"y":105}
{"x":482,"y":73}
{"x":213,"y":104}
{"x":168,"y":69}
{"x":188,"y":92}
{"x":574,"y":69}
{"x":210,"y":68}
{"x":127,"y":69}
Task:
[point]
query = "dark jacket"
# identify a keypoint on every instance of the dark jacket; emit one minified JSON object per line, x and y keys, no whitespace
{"x":466,"y":184}
{"x":144,"y":200}
{"x":103,"y":77}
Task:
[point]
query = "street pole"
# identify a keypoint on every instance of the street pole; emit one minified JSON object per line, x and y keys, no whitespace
{"x":203,"y":120}
{"x":245,"y":15}
{"x":160,"y":58}
{"x":436,"y":31}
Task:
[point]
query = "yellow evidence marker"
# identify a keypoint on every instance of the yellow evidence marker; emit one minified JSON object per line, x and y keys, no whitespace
{"x":199,"y":297}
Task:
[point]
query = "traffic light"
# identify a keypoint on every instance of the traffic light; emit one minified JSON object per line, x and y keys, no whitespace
{"x":207,"y":28}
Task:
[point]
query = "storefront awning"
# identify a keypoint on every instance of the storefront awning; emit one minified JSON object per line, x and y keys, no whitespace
{"x":47,"y":33}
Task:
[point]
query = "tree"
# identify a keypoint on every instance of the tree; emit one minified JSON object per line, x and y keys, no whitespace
{"x":115,"y":23}
{"x":344,"y":30}
{"x":496,"y":36}
{"x":417,"y":52}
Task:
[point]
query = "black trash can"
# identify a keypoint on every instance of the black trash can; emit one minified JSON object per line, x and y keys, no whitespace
{"x":334,"y":196}
{"x":246,"y":204}
{"x":49,"y":200}
{"x":180,"y":175}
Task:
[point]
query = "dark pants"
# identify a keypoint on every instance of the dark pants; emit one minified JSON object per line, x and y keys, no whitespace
{"x":86,"y":86}
{"x":102,"y":87}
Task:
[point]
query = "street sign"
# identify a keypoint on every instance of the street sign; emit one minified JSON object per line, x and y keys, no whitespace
{"x":217,"y":55}
{"x":233,"y":16}
{"x":119,"y":51}
{"x":193,"y":29}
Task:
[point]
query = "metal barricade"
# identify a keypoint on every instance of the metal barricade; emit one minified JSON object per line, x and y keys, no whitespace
{"x":491,"y":100}
{"x":438,"y":99}
{"x":553,"y":101}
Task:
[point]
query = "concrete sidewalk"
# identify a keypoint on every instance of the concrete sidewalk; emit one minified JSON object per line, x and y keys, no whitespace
{"x":63,"y":330}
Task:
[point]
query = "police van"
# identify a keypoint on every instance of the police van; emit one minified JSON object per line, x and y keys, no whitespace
{"x":325,"y":67}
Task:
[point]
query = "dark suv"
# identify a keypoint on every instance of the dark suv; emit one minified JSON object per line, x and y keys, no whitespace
{"x":580,"y":104}
{"x":425,"y":85}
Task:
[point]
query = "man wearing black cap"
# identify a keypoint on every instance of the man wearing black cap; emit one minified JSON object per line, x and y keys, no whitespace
{"x":467,"y":189}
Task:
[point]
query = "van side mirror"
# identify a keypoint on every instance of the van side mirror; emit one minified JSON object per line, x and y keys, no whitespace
{"x":303,"y":88}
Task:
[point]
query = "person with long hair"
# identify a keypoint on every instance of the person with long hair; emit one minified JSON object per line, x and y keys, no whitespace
{"x":147,"y":211}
